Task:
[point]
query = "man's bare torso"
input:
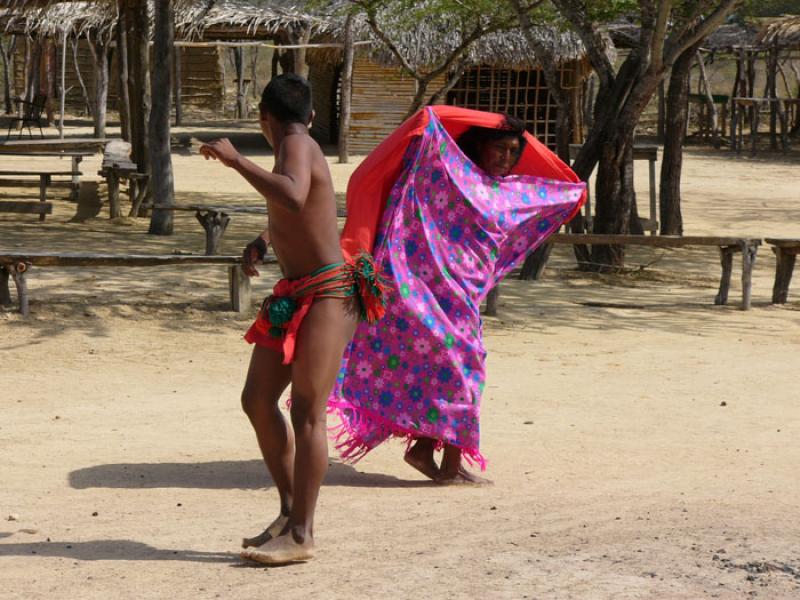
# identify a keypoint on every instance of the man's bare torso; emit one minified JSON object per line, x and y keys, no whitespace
{"x":306,"y":240}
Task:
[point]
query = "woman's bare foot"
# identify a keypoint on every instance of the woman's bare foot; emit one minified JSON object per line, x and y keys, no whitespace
{"x":282,"y":550}
{"x":420,"y":456}
{"x":274,"y":530}
{"x":461,"y":477}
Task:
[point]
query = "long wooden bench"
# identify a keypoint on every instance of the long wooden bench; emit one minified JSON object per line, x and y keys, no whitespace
{"x":17,"y":265}
{"x":786,"y":251}
{"x":45,"y":181}
{"x":728,"y":246}
{"x":215,"y":219}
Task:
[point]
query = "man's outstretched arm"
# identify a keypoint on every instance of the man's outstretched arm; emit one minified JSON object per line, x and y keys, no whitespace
{"x":289,"y":188}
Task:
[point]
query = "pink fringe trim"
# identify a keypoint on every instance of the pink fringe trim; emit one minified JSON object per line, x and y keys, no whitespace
{"x":351,"y":437}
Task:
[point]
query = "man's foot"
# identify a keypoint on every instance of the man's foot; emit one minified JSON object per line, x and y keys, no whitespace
{"x":274,"y":530}
{"x":461,"y":477}
{"x":282,"y":550}
{"x":420,"y":457}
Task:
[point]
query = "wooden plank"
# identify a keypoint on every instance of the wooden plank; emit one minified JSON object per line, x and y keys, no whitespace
{"x":786,"y":244}
{"x":29,"y":208}
{"x":660,"y":241}
{"x":54,"y":145}
{"x":39,"y":173}
{"x":79,"y":259}
{"x":52,"y":154}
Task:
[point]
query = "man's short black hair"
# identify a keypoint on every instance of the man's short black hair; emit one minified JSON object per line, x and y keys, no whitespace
{"x":473,"y":138}
{"x":287,"y":98}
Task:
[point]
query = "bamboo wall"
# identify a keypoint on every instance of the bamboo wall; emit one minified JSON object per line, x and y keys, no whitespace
{"x":381,"y":98}
{"x":521,"y":93}
{"x":201,"y":78}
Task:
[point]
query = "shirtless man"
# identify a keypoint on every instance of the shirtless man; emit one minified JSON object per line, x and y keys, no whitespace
{"x":303,"y":328}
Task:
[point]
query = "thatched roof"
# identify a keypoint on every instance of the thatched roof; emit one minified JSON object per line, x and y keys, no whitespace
{"x":75,"y":18}
{"x":428,"y":44}
{"x":226,"y":19}
{"x":784,"y":33}
{"x":625,"y":34}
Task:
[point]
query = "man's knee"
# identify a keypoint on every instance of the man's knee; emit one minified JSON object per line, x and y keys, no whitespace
{"x":307,"y":412}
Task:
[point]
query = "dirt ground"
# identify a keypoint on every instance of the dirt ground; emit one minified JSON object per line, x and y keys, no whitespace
{"x":643,"y":442}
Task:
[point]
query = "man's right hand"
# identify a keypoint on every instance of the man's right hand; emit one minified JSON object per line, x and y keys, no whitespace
{"x":253,"y":254}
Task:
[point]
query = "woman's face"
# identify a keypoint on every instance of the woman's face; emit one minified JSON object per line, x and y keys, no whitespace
{"x":498,"y":157}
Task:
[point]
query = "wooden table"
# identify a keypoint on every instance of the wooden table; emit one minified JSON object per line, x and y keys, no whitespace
{"x":755,"y":105}
{"x":75,"y":156}
{"x":648,"y":152}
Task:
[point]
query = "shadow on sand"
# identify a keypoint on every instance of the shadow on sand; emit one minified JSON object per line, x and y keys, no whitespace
{"x":231,"y":474}
{"x":112,"y":550}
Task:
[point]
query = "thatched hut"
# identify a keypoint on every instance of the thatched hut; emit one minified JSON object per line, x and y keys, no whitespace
{"x":499,"y":73}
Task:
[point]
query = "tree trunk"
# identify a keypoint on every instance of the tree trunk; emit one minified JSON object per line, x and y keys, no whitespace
{"x":614,"y":196}
{"x":87,"y":101}
{"x":99,"y":52}
{"x":139,"y":82}
{"x":256,"y":93}
{"x":677,"y":115}
{"x":346,"y":91}
{"x":7,"y":53}
{"x":161,"y":179}
{"x":241,"y":97}
{"x":47,"y":79}
{"x":293,"y":60}
{"x":123,"y":95}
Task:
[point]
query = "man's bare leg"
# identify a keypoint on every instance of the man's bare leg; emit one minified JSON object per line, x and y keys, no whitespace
{"x":321,"y":342}
{"x":420,"y":456}
{"x":267,"y":378}
{"x":452,"y":472}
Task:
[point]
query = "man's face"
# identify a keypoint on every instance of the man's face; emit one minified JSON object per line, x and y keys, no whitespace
{"x":498,"y":157}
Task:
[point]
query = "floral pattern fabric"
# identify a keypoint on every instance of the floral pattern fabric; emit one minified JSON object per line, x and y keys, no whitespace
{"x":449,"y":233}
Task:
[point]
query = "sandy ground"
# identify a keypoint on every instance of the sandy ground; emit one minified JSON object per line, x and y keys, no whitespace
{"x":642,"y":446}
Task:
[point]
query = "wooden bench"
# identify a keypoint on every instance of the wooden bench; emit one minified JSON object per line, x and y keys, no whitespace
{"x":728,"y":246}
{"x":45,"y":181}
{"x":786,"y":251}
{"x":117,"y":165}
{"x":16,"y":265}
{"x":26,"y":208}
{"x":215,"y":219}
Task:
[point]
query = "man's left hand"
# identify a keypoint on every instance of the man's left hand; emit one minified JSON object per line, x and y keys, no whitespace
{"x":222,"y":150}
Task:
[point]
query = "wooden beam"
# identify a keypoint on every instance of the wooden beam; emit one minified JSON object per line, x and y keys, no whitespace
{"x":79,"y":259}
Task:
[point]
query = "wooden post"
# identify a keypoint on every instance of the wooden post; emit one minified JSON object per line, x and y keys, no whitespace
{"x":5,"y":293}
{"x":748,"y":261}
{"x":772,"y":94}
{"x":63,"y":86}
{"x":99,"y":50}
{"x":754,"y":117}
{"x":176,"y":57}
{"x":123,"y":95}
{"x":726,"y":258}
{"x":346,"y":91}
{"x":138,"y":23}
{"x":712,"y":107}
{"x":44,"y":182}
{"x":241,"y":297}
{"x":162,"y":183}
{"x":241,"y":96}
{"x":214,"y":223}
{"x":784,"y":266}
{"x":113,"y":194}
{"x":18,"y":273}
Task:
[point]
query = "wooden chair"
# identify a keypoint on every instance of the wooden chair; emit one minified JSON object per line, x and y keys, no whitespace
{"x":31,"y":113}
